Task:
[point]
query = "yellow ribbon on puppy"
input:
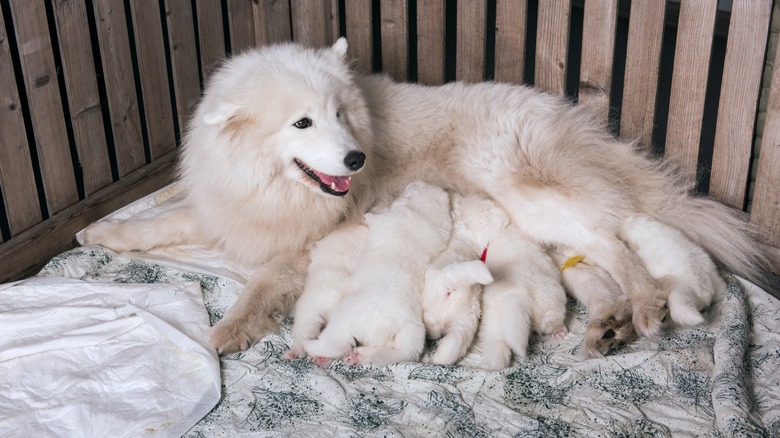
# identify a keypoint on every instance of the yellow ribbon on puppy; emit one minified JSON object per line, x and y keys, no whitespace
{"x":572,"y":261}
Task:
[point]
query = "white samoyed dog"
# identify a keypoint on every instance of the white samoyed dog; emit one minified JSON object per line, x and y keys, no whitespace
{"x":289,"y":141}
{"x":379,"y":320}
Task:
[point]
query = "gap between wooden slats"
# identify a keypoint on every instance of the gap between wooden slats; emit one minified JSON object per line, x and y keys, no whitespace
{"x":430,"y":42}
{"x":552,"y":41}
{"x":153,"y":77}
{"x":359,"y":34}
{"x":184,"y":59}
{"x":17,"y":180}
{"x":692,"y":53}
{"x":79,"y":75}
{"x":765,"y":213}
{"x":738,"y":100}
{"x":43,"y":95}
{"x":470,"y":41}
{"x":598,"y":49}
{"x":211,"y":38}
{"x":120,"y":85}
{"x":311,"y":22}
{"x":645,"y":33}
{"x":272,"y":22}
{"x":395,"y":36}
{"x":510,"y":40}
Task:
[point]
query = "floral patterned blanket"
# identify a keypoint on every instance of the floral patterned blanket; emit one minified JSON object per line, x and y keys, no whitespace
{"x":719,"y":379}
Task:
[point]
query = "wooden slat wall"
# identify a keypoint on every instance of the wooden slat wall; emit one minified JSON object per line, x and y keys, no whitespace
{"x":645,"y":34}
{"x":16,"y":168}
{"x":510,"y":40}
{"x":689,"y":82}
{"x":766,"y":200}
{"x":154,"y":77}
{"x":125,"y":100}
{"x":598,"y":47}
{"x":79,"y":73}
{"x":738,"y":100}
{"x":43,"y":96}
{"x":552,"y":42}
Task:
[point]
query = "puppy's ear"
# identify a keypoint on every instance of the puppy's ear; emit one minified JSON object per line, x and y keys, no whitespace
{"x":220,"y":114}
{"x":463,"y":274}
{"x":340,"y":48}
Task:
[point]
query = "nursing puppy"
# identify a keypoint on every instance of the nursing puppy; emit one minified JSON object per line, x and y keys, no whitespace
{"x":379,"y":320}
{"x":268,"y":155}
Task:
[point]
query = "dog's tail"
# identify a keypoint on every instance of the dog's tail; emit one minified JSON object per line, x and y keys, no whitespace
{"x":723,"y":232}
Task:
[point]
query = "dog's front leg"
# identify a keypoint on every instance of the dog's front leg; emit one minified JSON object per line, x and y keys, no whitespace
{"x":269,"y":294}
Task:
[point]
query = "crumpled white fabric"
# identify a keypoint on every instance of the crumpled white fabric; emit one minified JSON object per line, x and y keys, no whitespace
{"x":103,"y":359}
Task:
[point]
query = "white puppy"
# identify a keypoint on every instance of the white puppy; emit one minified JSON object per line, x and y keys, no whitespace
{"x":452,"y":294}
{"x":333,"y":260}
{"x":379,"y":321}
{"x":525,"y":293}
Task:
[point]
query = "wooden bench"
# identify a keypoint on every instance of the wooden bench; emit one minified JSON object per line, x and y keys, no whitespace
{"x":94,"y":94}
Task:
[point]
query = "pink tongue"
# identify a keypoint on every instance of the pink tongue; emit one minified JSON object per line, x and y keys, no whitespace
{"x":341,"y":183}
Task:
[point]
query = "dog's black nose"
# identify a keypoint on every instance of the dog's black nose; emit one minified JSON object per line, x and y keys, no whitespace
{"x":354,"y":160}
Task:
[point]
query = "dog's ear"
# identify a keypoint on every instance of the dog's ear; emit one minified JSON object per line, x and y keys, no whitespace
{"x":220,"y":114}
{"x":340,"y":48}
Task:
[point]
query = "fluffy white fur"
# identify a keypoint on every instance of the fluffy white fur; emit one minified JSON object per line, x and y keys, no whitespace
{"x":379,"y":320}
{"x":526,"y":292}
{"x":266,"y":156}
{"x":452,"y":295}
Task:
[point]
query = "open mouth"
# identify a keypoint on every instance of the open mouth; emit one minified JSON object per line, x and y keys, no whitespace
{"x":332,"y":185}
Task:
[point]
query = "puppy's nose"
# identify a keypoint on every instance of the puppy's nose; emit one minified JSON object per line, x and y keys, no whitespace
{"x":354,"y":160}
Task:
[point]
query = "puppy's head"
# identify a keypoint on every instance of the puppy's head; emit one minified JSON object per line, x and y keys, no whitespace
{"x":285,"y":111}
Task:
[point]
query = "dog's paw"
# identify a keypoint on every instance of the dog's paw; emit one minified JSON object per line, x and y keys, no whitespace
{"x":234,"y":335}
{"x":353,"y":357}
{"x":604,"y":336}
{"x":107,"y":234}
{"x":649,"y":315}
{"x":560,"y":334}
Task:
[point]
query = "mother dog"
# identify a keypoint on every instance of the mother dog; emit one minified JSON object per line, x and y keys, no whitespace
{"x":289,"y":143}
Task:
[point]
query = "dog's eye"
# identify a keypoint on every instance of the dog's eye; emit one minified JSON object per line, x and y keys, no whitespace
{"x":303,"y":123}
{"x":338,"y":114}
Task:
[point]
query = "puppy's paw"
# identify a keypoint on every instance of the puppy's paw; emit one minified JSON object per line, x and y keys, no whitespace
{"x":322,"y":362}
{"x":295,"y":352}
{"x":649,"y":315}
{"x":233,"y":335}
{"x":560,"y":334}
{"x":552,"y":323}
{"x":354,"y":357}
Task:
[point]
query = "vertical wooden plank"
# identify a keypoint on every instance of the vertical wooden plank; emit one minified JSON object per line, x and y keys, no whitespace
{"x":17,"y":180}
{"x":241,"y":25}
{"x":645,"y":34}
{"x":470,"y":41}
{"x":395,"y":37}
{"x":695,"y":29}
{"x":430,"y":41}
{"x":766,"y":198}
{"x":510,"y":40}
{"x":335,"y":26}
{"x":311,"y":22}
{"x":272,"y":21}
{"x":184,"y":58}
{"x":43,"y":94}
{"x":359,"y":35}
{"x":552,"y":42}
{"x":153,"y":74}
{"x":598,"y":46}
{"x":748,"y":30}
{"x":210,"y":35}
{"x":86,"y":117}
{"x":120,"y":85}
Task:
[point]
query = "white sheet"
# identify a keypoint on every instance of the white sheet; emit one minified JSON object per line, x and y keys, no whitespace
{"x":103,"y":359}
